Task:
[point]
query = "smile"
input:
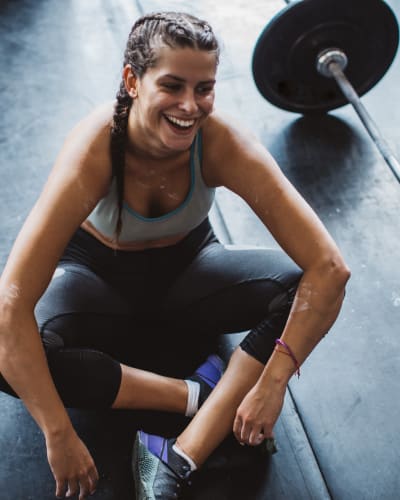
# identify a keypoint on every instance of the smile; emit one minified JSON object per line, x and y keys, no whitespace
{"x":184,"y":124}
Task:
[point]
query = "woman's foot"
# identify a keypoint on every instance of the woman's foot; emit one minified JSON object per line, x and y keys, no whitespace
{"x":206,"y":376}
{"x":159,"y":472}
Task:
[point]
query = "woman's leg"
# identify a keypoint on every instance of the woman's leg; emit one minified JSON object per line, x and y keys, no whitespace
{"x":223,"y":291}
{"x":215,"y":418}
{"x":85,"y":324}
{"x":275,"y":285}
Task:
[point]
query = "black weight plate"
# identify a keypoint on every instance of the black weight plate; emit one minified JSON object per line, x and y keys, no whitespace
{"x":284,"y":59}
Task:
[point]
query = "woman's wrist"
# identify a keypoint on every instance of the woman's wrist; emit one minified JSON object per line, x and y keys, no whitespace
{"x":288,"y":352}
{"x":54,"y":423}
{"x":274,"y":380}
{"x":278,"y":370}
{"x":58,"y":431}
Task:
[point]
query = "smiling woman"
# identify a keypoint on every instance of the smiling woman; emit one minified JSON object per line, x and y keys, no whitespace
{"x":150,"y":36}
{"x":135,"y":270}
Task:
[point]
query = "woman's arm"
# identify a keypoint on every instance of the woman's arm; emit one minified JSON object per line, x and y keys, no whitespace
{"x":78,"y":179}
{"x":239,"y":162}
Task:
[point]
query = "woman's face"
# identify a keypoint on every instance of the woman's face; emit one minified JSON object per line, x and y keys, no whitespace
{"x":173,"y":98}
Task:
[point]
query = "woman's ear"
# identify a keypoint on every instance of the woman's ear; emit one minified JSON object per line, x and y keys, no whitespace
{"x":130,"y":80}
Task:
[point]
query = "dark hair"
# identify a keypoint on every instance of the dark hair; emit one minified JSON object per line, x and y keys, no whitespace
{"x":175,"y":29}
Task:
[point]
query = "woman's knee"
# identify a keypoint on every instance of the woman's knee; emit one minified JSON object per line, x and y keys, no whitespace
{"x":85,"y":378}
{"x":283,"y":301}
{"x":260,"y":341}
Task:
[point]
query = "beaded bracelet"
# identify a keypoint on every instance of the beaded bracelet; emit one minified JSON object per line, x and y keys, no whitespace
{"x":290,"y":353}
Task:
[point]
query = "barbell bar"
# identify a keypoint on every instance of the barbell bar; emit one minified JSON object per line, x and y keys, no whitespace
{"x":300,"y":57}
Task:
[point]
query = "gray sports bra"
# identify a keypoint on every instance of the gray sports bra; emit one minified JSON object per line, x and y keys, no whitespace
{"x":183,"y":219}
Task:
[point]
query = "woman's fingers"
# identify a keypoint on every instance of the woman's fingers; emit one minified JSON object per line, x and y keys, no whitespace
{"x":249,"y":433}
{"x":88,"y":483}
{"x":256,"y":436}
{"x":237,"y":428}
{"x":73,"y":487}
{"x":245,"y":432}
{"x":93,"y":480}
{"x":85,"y":485}
{"x":61,"y":486}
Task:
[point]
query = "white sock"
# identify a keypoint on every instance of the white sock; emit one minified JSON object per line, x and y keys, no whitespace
{"x":192,"y":404}
{"x":182,"y":454}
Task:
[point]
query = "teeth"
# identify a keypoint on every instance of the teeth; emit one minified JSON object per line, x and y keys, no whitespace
{"x":181,"y":123}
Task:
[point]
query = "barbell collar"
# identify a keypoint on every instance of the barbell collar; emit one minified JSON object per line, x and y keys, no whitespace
{"x":329,"y":56}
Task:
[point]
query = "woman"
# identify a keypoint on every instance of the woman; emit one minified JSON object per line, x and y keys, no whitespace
{"x":134,"y":263}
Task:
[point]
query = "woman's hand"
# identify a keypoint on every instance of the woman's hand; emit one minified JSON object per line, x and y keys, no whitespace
{"x":257,"y":414}
{"x":72,"y":465}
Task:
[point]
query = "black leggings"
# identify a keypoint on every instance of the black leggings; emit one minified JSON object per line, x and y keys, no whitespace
{"x":157,"y":309}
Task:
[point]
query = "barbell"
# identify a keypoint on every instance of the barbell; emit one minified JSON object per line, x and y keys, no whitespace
{"x":300,"y":57}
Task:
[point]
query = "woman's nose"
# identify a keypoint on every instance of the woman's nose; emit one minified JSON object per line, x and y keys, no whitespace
{"x":188,"y":102}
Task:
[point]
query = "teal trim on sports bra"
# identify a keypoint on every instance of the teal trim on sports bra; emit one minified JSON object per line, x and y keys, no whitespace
{"x":135,"y":227}
{"x":188,"y":196}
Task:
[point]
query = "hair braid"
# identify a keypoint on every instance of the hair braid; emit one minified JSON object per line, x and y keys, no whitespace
{"x":118,"y":145}
{"x":148,"y":34}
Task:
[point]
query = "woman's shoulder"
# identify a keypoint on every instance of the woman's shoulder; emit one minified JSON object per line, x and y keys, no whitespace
{"x":86,"y":149}
{"x":215,"y":124}
{"x":224,"y":136}
{"x":221,"y":131}
{"x":94,"y":128}
{"x":87,"y":145}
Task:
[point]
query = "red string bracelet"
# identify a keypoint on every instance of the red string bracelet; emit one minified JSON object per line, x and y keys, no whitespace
{"x":290,"y":352}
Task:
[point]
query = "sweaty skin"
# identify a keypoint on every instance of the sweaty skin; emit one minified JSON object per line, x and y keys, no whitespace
{"x":303,"y":299}
{"x":10,"y":294}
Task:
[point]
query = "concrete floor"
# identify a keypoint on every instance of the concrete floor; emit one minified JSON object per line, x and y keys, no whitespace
{"x":338,"y":435}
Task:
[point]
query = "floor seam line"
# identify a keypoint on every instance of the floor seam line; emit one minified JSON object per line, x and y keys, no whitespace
{"x":293,"y":401}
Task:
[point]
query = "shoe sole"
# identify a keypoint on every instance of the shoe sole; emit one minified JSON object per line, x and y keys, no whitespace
{"x":144,"y":469}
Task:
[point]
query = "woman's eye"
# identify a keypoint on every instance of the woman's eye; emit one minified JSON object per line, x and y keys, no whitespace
{"x":171,"y":86}
{"x":204,"y":90}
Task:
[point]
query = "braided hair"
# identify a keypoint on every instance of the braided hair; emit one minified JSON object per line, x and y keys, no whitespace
{"x":174,"y":29}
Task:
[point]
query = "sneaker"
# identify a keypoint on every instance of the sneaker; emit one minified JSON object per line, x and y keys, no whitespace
{"x":159,"y":473}
{"x":230,"y":455}
{"x":208,"y":375}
